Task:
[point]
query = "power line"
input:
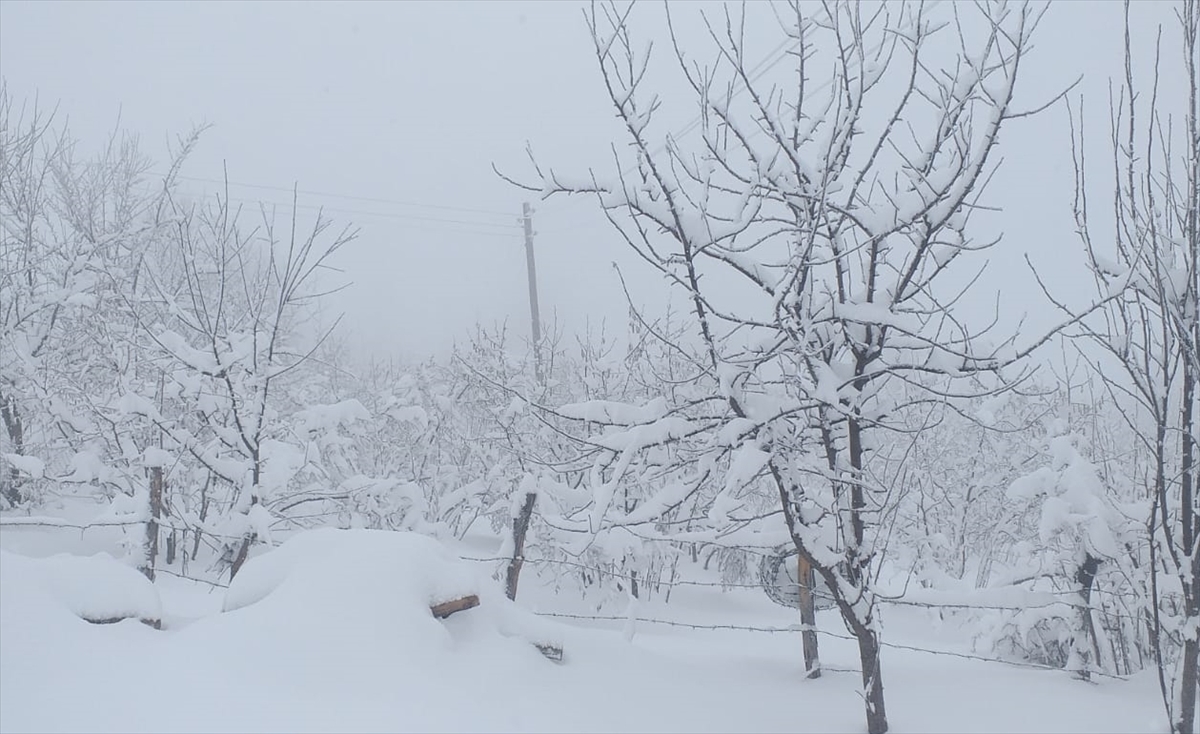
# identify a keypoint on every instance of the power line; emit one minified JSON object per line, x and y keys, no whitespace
{"x":316,"y":207}
{"x":505,"y":230}
{"x":374,"y":200}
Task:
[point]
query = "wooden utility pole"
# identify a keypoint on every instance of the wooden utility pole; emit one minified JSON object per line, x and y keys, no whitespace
{"x":521,"y":520}
{"x":535,"y":330}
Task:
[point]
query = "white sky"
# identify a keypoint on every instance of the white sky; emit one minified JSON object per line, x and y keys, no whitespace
{"x":412,"y":103}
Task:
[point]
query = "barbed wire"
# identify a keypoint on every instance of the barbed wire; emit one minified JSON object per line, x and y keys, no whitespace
{"x":723,"y":585}
{"x":164,"y":523}
{"x":818,"y":593}
{"x":649,"y":581}
{"x":788,"y":629}
{"x":169,"y":572}
{"x":801,"y":628}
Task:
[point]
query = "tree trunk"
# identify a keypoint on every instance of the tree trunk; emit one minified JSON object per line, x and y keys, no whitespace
{"x":16,"y":435}
{"x":1189,"y":524}
{"x":808,"y":618}
{"x":203,"y":516}
{"x":1088,"y":649}
{"x":520,"y":527}
{"x":1185,"y":722}
{"x":1189,"y":682}
{"x":868,"y":654}
{"x":240,"y":558}
{"x":869,"y":646}
{"x":244,"y":551}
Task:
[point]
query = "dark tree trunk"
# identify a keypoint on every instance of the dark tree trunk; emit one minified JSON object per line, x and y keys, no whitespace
{"x":240,"y":559}
{"x":1189,"y":528}
{"x":520,"y":528}
{"x":1089,"y":651}
{"x":872,"y":677}
{"x":16,"y":435}
{"x":1186,"y":721}
{"x":244,"y":551}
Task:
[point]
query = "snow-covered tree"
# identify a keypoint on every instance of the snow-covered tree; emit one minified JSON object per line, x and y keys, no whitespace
{"x":1146,"y":260}
{"x":1079,"y":529}
{"x":76,"y":232}
{"x":839,"y":202}
{"x":233,"y":304}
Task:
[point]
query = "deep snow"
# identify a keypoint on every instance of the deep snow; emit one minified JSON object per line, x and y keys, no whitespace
{"x":331,"y":632}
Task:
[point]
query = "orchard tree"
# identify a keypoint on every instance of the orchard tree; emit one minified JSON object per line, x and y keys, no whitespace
{"x":1148,"y":257}
{"x":76,"y":234}
{"x":839,"y":202}
{"x":234,"y":299}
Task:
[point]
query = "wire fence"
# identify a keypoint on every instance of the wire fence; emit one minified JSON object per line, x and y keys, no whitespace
{"x":792,"y":629}
{"x":797,"y":628}
{"x":1061,"y":598}
{"x":634,"y":618}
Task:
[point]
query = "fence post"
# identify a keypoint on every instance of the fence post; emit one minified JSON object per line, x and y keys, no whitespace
{"x":808,"y":617}
{"x":520,"y":527}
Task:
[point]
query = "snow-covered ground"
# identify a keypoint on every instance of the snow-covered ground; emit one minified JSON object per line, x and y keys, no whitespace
{"x":332,"y":632}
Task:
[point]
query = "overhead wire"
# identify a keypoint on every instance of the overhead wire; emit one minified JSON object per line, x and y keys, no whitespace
{"x":371,"y":199}
{"x":772,"y":59}
{"x":458,"y":226}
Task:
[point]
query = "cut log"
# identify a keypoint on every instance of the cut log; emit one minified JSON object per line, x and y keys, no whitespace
{"x":446,"y":608}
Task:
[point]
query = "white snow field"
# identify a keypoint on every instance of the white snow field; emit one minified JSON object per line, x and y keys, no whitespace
{"x":332,"y":631}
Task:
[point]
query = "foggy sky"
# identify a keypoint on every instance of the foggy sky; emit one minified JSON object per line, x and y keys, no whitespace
{"x":401,"y":109}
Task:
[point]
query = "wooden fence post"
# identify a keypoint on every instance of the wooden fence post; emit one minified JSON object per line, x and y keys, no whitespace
{"x":520,"y":527}
{"x":808,"y":617}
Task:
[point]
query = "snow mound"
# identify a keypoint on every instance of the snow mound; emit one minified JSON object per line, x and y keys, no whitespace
{"x":377,"y":586}
{"x":330,"y":570}
{"x":95,"y":588}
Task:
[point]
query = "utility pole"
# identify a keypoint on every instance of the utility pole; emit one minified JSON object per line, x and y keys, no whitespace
{"x":535,"y":320}
{"x":521,"y":519}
